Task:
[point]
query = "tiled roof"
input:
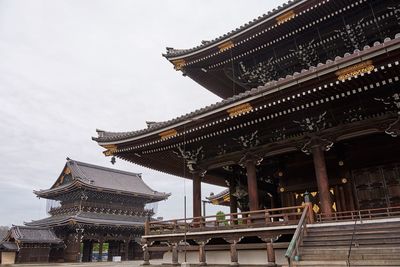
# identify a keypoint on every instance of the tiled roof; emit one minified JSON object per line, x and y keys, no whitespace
{"x":3,"y":232}
{"x":171,"y":52}
{"x":107,"y":178}
{"x":28,"y":234}
{"x":106,"y":137}
{"x":90,"y":218}
{"x":8,"y":246}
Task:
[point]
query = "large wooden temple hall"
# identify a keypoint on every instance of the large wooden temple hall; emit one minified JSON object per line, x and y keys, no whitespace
{"x":305,"y":135}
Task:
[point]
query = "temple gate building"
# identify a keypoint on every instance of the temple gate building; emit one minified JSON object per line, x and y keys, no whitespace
{"x":308,"y":122}
{"x":98,"y":205}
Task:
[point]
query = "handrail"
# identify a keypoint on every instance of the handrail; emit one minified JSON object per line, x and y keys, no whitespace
{"x":293,"y":248}
{"x":351,"y":242}
{"x":270,"y":217}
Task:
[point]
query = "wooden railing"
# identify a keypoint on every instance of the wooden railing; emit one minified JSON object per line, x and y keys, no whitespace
{"x":260,"y":218}
{"x":360,"y":214}
{"x":293,"y":249}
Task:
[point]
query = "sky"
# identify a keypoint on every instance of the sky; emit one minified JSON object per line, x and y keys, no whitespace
{"x":70,"y":67}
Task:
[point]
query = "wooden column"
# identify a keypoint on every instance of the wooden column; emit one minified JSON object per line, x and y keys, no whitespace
{"x":202,"y":254}
{"x":100,"y":251}
{"x":234,"y":254}
{"x":126,"y":249}
{"x":110,"y":250}
{"x":322,"y":179}
{"x":349,"y":193}
{"x":252,"y":184}
{"x":233,"y":200}
{"x":175,"y":254}
{"x":196,"y":194}
{"x":87,"y":251}
{"x":72,"y":252}
{"x":270,"y":254}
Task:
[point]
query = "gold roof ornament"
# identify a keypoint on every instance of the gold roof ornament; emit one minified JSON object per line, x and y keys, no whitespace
{"x":243,"y":108}
{"x":179,"y":64}
{"x":226,"y":46}
{"x":168,"y":134}
{"x":285,"y":17}
{"x":355,"y":70}
{"x":111,"y":149}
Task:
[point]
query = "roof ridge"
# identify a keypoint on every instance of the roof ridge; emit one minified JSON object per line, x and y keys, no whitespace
{"x":139,"y":175}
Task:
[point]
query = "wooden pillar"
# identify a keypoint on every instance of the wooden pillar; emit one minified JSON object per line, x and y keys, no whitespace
{"x":202,"y":254}
{"x":270,"y":254}
{"x":234,"y":254}
{"x":87,"y":251}
{"x":322,"y":180}
{"x":196,"y":194}
{"x":126,"y":249}
{"x":110,"y":250}
{"x":350,"y":193}
{"x":100,"y":251}
{"x":233,"y":200}
{"x":175,"y":255}
{"x":72,"y":252}
{"x":252,"y":185}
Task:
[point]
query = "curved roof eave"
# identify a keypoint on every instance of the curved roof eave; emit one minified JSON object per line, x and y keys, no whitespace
{"x":175,"y":54}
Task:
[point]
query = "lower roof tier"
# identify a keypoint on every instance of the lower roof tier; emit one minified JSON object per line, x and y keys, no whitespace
{"x":90,"y":218}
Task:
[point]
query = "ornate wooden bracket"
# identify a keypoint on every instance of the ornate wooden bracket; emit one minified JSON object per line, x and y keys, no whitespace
{"x":191,"y":157}
{"x":313,"y":124}
{"x":392,"y":103}
{"x":250,"y":157}
{"x":315,"y":141}
{"x":249,"y":140}
{"x":394,"y":128}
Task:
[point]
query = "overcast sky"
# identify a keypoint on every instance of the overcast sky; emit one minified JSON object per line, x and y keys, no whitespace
{"x":69,"y":67}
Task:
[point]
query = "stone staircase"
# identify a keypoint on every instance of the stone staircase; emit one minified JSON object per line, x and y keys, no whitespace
{"x":375,"y":243}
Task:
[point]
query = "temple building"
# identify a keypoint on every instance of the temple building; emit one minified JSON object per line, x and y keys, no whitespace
{"x":308,"y":124}
{"x":25,"y":244}
{"x":97,"y":205}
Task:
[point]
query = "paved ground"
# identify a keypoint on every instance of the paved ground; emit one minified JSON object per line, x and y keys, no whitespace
{"x":90,"y":264}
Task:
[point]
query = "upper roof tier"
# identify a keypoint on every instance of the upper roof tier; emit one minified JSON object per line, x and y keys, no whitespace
{"x":78,"y":174}
{"x":293,"y":37}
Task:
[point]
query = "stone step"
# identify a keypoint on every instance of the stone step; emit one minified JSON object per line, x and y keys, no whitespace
{"x":349,"y":232}
{"x":345,"y":236}
{"x":372,"y":250}
{"x":353,"y":256}
{"x":322,"y":227}
{"x":375,"y":263}
{"x":354,"y":243}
